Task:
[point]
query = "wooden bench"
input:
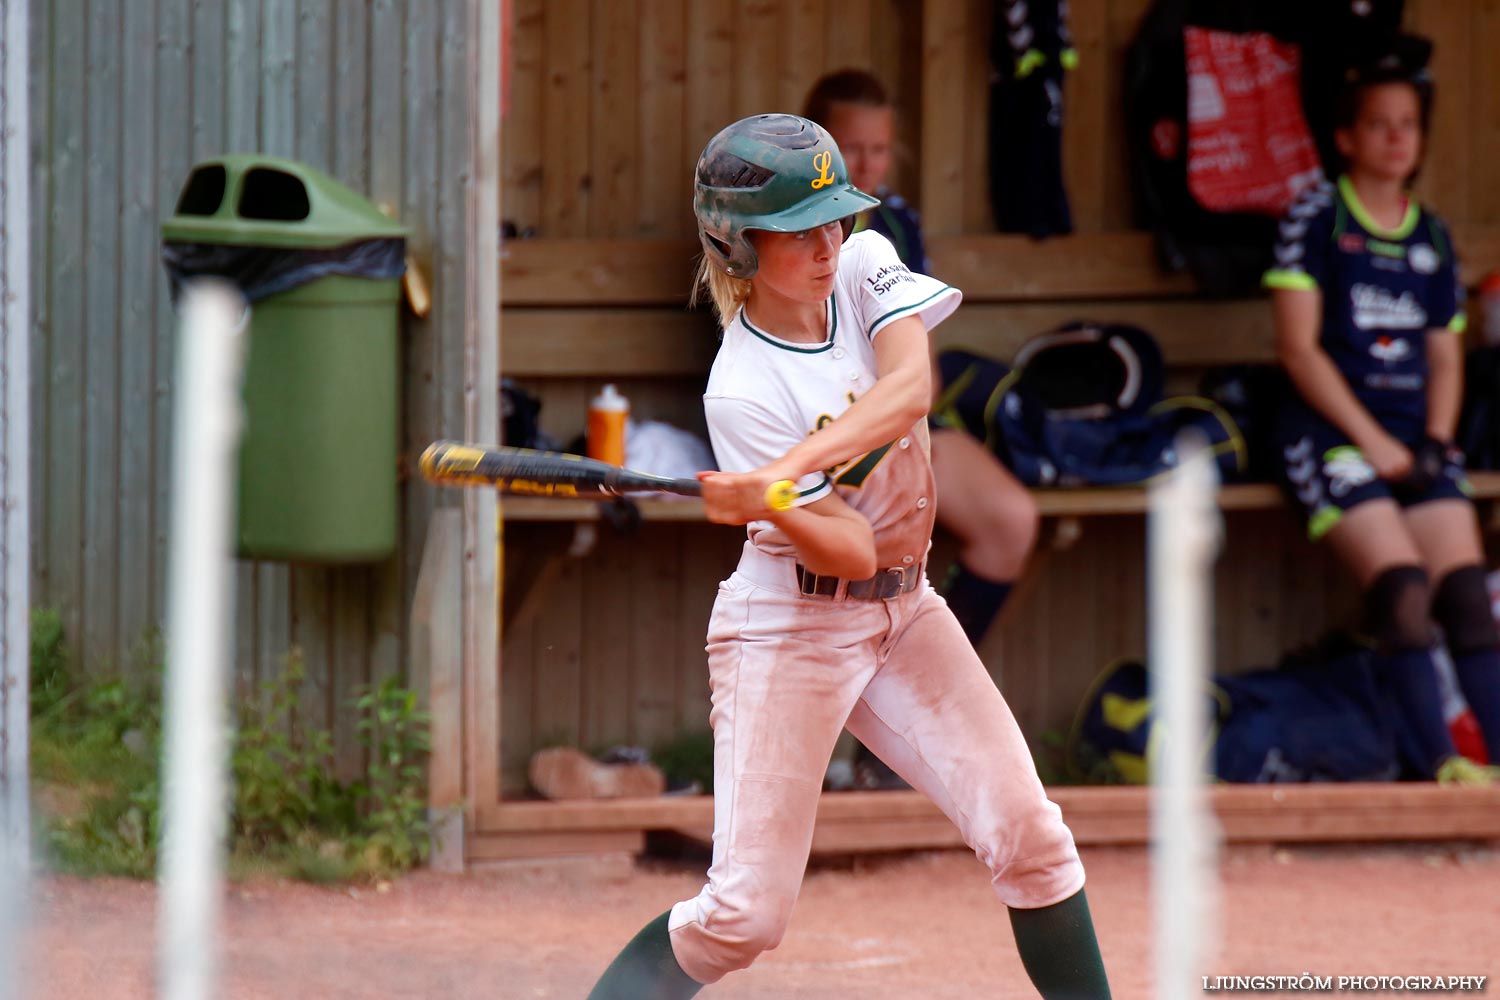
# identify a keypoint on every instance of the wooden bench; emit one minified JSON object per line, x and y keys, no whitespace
{"x":850,"y":822}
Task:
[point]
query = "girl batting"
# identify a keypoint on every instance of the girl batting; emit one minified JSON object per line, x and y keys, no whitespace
{"x":823,"y":378}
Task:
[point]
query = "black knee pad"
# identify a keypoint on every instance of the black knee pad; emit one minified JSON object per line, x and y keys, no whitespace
{"x":1398,"y":608}
{"x":1462,"y":607}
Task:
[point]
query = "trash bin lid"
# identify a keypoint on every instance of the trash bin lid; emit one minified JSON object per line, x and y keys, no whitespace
{"x":254,"y":200}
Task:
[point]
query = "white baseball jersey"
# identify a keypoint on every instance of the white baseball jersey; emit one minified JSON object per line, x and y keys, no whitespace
{"x":766,"y":395}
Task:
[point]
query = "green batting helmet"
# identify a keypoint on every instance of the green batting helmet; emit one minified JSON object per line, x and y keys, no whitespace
{"x":779,"y":173}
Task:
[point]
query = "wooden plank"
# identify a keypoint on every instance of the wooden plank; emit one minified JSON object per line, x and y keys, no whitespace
{"x":1091,"y":98}
{"x":521,"y":152}
{"x":171,"y":162}
{"x":387,"y":107}
{"x":349,"y":668}
{"x":1444,"y":180}
{"x":639,"y":342}
{"x":139,"y":283}
{"x":757,"y":57}
{"x":1118,"y":206}
{"x":582,"y":342}
{"x":313,"y":637}
{"x":278,"y":59}
{"x":977,"y":214}
{"x":607,"y":599}
{"x":512,"y":847}
{"x":999,"y":268}
{"x":1051,"y":502}
{"x":557,"y":705}
{"x":451,"y":139}
{"x":101,"y":638}
{"x":209,"y":53}
{"x":273,"y":608}
{"x":652,"y":647}
{"x":598,"y":271}
{"x":663,"y":166}
{"x":707,"y":557}
{"x":520,"y":675}
{"x":1192,"y":333}
{"x":988,"y":268}
{"x":1097,"y":815}
{"x":944,"y":24}
{"x":350,"y":95}
{"x":242,"y":86}
{"x":64,"y":425}
{"x":1484,"y":96}
{"x":39,"y":359}
{"x":314,"y":85}
{"x":847,"y":34}
{"x":482,"y":540}
{"x":803,"y":56}
{"x":1478,"y":244}
{"x":437,"y":654}
{"x":566,"y":181}
{"x":614,"y":114}
{"x":710,"y":60}
{"x":910,"y":88}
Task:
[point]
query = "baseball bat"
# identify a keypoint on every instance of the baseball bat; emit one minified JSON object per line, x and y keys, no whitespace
{"x":527,"y":472}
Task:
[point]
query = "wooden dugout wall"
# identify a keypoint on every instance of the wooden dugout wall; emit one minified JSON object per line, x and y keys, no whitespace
{"x":610,"y":649}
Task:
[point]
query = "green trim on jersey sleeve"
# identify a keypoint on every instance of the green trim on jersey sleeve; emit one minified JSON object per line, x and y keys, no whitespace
{"x":1282,"y":278}
{"x":894,"y":314}
{"x":1458,"y":324}
{"x":811,"y":494}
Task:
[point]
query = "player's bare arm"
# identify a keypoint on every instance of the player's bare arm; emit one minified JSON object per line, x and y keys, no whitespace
{"x":1445,"y":382}
{"x":832,"y":538}
{"x":1298,"y":314}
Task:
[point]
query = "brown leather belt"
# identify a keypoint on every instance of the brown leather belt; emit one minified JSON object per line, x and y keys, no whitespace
{"x":886,"y":585}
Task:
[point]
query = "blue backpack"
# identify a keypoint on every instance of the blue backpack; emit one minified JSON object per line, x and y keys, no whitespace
{"x":1321,"y":715}
{"x":1082,"y":405}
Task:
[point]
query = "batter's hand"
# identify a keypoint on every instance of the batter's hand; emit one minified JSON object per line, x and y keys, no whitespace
{"x":739,"y":497}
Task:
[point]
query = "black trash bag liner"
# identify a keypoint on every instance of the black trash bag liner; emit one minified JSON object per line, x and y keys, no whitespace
{"x":261,"y":272}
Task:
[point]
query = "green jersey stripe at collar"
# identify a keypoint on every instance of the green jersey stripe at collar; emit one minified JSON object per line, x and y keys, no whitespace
{"x":833,"y":327}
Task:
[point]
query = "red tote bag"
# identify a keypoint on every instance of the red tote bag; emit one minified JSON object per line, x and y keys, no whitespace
{"x":1249,"y":147}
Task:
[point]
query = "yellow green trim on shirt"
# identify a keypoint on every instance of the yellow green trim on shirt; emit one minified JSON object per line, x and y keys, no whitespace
{"x":1281,"y":278}
{"x":1357,"y":209}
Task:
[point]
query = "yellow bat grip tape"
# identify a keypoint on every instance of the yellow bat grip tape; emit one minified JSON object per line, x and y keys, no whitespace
{"x":781,"y":494}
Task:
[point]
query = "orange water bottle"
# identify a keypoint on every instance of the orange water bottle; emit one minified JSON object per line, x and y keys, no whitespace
{"x":606,"y":429}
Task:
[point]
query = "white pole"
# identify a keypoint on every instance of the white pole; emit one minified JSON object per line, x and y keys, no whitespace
{"x":1183,"y":536}
{"x":15,"y":532}
{"x":206,"y":426}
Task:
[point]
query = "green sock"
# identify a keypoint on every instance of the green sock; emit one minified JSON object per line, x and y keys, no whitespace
{"x":1059,"y":950}
{"x":646,"y":969}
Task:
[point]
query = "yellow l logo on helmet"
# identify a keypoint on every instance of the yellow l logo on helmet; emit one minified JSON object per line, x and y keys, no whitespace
{"x":822,"y":161}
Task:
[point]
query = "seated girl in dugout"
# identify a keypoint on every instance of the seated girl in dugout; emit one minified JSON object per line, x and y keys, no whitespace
{"x":1369,"y":320}
{"x":822,"y":378}
{"x":986,"y":509}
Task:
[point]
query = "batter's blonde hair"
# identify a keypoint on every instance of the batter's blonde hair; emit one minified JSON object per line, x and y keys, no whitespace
{"x":725,"y":291}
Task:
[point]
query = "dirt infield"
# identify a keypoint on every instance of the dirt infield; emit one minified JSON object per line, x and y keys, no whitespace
{"x":915,"y":927}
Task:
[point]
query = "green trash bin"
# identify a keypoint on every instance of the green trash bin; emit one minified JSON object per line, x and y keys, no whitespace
{"x":321,"y":267}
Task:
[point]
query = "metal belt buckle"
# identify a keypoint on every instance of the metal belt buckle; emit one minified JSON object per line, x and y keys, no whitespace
{"x":892,"y":583}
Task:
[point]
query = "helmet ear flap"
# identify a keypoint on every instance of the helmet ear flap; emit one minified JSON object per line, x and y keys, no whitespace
{"x":847,"y":224}
{"x":735,"y":257}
